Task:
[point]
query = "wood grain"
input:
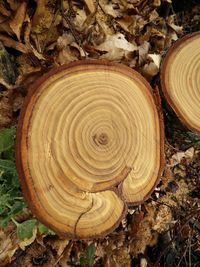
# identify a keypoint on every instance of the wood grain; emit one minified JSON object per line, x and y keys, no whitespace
{"x":89,"y":141}
{"x":180,"y":79}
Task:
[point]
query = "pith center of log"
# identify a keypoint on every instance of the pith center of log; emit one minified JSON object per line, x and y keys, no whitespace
{"x":101,"y":139}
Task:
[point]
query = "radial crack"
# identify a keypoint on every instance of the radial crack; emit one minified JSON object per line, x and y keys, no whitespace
{"x":80,"y":216}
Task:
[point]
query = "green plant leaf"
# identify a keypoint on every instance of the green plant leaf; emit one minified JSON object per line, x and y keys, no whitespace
{"x":42,"y":228}
{"x":8,"y":166}
{"x":7,"y":136}
{"x":25,"y":229}
{"x":88,"y":258}
{"x":17,"y":207}
{"x":90,"y":253}
{"x":83,"y":261}
{"x":11,"y":200}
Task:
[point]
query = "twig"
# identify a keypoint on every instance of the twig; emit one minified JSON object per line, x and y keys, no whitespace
{"x":184,"y":253}
{"x":188,"y":218}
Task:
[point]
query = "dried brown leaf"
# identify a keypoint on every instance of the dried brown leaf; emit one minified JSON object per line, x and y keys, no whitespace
{"x":108,"y":8}
{"x":34,"y":253}
{"x":5,"y":84}
{"x":9,"y":42}
{"x":176,"y":28}
{"x":143,"y":262}
{"x":27,"y":64}
{"x":179,"y":156}
{"x":65,"y":257}
{"x":140,"y":231}
{"x":4,"y":11}
{"x":167,"y":177}
{"x":39,"y":13}
{"x":5,"y":109}
{"x":81,"y":21}
{"x":100,"y":251}
{"x":5,"y":27}
{"x":132,"y":24}
{"x":65,"y":56}
{"x":143,"y":52}
{"x":153,"y":16}
{"x":17,"y":22}
{"x":149,"y":70}
{"x":163,"y":219}
{"x":156,"y":58}
{"x":156,"y":3}
{"x":7,"y":248}
{"x":17,"y":102}
{"x":116,"y":54}
{"x":14,"y":4}
{"x":116,"y":41}
{"x":91,"y":5}
{"x":58,"y":245}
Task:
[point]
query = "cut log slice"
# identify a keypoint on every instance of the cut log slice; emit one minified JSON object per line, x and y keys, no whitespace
{"x":89,"y":140}
{"x":180,"y":79}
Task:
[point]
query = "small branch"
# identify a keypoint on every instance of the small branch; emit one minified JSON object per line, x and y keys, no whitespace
{"x":188,"y":218}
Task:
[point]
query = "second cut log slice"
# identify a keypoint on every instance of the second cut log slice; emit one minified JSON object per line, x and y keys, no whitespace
{"x":180,"y":79}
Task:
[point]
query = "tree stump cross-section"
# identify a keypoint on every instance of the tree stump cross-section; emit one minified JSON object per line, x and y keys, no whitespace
{"x":180,"y":79}
{"x":89,"y":143}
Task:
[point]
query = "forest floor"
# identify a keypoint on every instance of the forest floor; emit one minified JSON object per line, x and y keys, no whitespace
{"x":36,"y":36}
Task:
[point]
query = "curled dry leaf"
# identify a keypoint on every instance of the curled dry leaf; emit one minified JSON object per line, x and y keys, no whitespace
{"x":156,"y":58}
{"x":116,"y":54}
{"x":170,"y":22}
{"x":179,"y":156}
{"x":152,"y":65}
{"x":7,"y":248}
{"x":149,"y":70}
{"x":116,"y":41}
{"x":65,"y":53}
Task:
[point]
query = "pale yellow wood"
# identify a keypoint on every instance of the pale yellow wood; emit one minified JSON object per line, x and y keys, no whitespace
{"x":86,"y":131}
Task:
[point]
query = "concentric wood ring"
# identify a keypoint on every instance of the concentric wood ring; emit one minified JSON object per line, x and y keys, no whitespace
{"x":86,"y":129}
{"x":180,"y":79}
